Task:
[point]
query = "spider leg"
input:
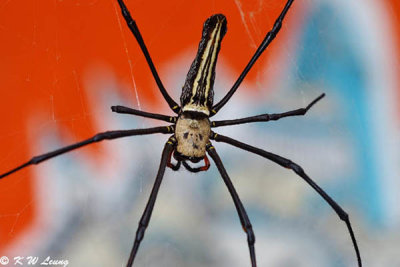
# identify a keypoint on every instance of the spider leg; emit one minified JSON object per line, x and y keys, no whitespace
{"x":97,"y":138}
{"x":267,"y":117}
{"x":172,"y":166}
{"x":264,"y":44}
{"x":126,"y":110}
{"x":135,"y":30}
{"x":145,"y":219}
{"x":299,"y":171}
{"x":244,"y":219}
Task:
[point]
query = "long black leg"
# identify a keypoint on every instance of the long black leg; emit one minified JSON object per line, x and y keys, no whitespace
{"x":264,"y":44}
{"x":244,"y":219}
{"x":144,"y":221}
{"x":126,"y":110}
{"x":97,"y":138}
{"x":267,"y":117}
{"x":135,"y":30}
{"x":299,"y":171}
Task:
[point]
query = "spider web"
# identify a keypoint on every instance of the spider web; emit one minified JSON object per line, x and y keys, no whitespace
{"x":64,"y":63}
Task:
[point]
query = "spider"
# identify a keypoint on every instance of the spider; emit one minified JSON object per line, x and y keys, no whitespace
{"x":191,"y":128}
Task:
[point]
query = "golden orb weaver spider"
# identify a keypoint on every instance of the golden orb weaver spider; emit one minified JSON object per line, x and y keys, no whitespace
{"x":191,"y":128}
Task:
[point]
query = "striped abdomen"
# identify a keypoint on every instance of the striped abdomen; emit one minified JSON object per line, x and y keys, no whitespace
{"x":197,"y":93}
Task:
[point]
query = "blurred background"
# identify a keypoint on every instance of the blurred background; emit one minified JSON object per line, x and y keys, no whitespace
{"x":64,"y":63}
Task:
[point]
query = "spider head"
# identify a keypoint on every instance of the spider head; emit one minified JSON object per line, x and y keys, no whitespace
{"x":192,"y":133}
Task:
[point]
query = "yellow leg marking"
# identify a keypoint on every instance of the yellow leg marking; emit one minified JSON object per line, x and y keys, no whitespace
{"x":171,"y":141}
{"x":170,"y":128}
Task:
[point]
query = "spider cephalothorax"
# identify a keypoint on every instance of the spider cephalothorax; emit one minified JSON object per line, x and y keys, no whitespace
{"x":192,"y":134}
{"x":191,"y":129}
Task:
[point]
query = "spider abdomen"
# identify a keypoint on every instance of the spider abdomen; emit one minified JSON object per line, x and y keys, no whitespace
{"x":192,"y":135}
{"x":197,"y":92}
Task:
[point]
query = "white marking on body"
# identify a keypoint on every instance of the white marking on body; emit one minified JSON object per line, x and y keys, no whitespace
{"x":213,"y":40}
